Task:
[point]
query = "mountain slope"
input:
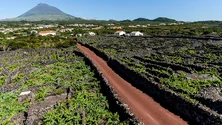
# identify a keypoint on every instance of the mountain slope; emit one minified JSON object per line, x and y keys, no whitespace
{"x":164,"y":19}
{"x":141,"y":19}
{"x":44,"y":12}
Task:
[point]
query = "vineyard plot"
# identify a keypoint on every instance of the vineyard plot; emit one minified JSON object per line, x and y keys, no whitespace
{"x":189,"y":67}
{"x":64,"y":89}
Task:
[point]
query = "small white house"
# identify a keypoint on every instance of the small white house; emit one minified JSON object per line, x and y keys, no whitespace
{"x":79,"y":35}
{"x":162,"y":24}
{"x":92,"y":33}
{"x":120,"y":33}
{"x":136,"y":33}
{"x":34,"y":31}
{"x":10,"y":38}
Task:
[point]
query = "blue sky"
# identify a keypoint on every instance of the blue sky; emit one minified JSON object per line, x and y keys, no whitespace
{"x":186,"y":10}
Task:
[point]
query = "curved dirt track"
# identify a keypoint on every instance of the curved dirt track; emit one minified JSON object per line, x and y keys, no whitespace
{"x":142,"y":105}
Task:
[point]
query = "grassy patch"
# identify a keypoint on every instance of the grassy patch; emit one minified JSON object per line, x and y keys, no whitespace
{"x":9,"y":105}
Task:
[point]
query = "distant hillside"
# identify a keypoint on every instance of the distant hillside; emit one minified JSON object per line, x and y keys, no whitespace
{"x":164,"y":19}
{"x":44,"y":12}
{"x":141,"y":19}
{"x":158,"y":20}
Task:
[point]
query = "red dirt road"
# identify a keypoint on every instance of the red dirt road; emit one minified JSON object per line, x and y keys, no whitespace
{"x":142,"y":105}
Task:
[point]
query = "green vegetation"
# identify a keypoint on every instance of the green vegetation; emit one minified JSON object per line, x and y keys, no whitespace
{"x":191,"y":86}
{"x":42,"y":92}
{"x":84,"y":108}
{"x":9,"y":106}
{"x":49,"y":72}
{"x":2,"y":80}
{"x":36,"y":42}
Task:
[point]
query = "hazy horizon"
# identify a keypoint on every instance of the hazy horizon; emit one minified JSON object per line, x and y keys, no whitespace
{"x":182,"y":10}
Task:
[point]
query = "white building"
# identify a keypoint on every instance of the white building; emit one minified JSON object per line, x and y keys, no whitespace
{"x":79,"y":35}
{"x":92,"y":33}
{"x":136,"y":33}
{"x":34,"y":32}
{"x":10,"y":38}
{"x":120,"y":33}
{"x":45,"y":33}
{"x":162,"y":24}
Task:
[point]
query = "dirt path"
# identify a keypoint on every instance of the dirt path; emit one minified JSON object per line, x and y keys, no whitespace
{"x":143,"y":106}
